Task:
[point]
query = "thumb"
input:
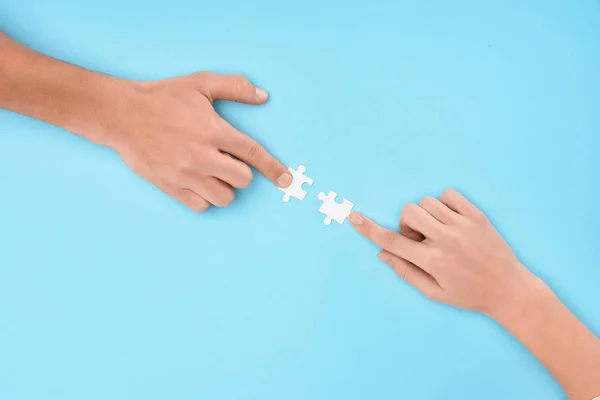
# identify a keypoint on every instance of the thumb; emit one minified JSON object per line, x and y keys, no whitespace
{"x":231,"y":87}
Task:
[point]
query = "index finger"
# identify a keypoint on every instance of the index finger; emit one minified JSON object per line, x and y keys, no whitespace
{"x":254,"y":154}
{"x":391,"y":241}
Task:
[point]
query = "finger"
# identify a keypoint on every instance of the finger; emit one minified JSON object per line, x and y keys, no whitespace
{"x":230,"y":87}
{"x":252,"y":153}
{"x":420,"y":220}
{"x":438,"y":210}
{"x":389,"y":240}
{"x":409,"y":232}
{"x":233,"y":172}
{"x":189,"y":198}
{"x":413,"y":275}
{"x":457,"y":202}
{"x":216,"y":192}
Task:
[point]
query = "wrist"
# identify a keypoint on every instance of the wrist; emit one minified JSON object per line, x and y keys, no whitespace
{"x":99,"y":108}
{"x":525,"y":295}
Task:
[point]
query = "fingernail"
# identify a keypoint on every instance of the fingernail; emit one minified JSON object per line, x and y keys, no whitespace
{"x":261,"y":94}
{"x":284,"y":180}
{"x":356,"y":219}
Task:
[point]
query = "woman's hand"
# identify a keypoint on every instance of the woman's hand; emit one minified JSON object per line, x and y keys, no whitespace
{"x":449,"y":251}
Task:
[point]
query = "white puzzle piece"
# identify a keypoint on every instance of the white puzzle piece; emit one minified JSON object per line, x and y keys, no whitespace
{"x":334,"y":211}
{"x":295,"y":189}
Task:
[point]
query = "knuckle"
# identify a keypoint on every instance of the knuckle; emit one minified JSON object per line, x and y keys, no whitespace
{"x":449,"y":193}
{"x":203,"y":77}
{"x":181,"y":173}
{"x":245,"y":177}
{"x":437,"y":230}
{"x":199,"y":206}
{"x":189,"y":160}
{"x":403,"y":272}
{"x":226,"y":199}
{"x":241,"y":87}
{"x":480,"y":217}
{"x":452,"y":236}
{"x":272,"y":167}
{"x":255,"y":151}
{"x":241,"y":82}
{"x":409,"y":210}
{"x":434,"y":258}
{"x":193,"y":160}
{"x":427,"y":200}
{"x":205,"y":74}
{"x":389,"y":240}
{"x":214,"y":128}
{"x":229,"y":197}
{"x":433,"y":296}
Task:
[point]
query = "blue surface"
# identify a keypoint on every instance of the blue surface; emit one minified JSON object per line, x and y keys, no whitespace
{"x":111,"y":290}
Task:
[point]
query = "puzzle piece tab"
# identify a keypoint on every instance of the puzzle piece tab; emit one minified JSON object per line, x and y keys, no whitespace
{"x":334,"y":211}
{"x":295,"y":189}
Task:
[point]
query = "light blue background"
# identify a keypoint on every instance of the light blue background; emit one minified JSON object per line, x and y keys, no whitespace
{"x":111,"y":290}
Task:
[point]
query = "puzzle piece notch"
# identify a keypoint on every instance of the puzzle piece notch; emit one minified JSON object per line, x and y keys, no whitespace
{"x":295,"y":188}
{"x":332,"y":209}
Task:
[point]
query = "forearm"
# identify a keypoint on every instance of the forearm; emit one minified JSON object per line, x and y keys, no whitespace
{"x":557,"y":338}
{"x":81,"y":101}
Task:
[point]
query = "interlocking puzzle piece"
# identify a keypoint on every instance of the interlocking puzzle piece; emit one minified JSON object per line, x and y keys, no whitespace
{"x":295,"y":189}
{"x":333,"y":210}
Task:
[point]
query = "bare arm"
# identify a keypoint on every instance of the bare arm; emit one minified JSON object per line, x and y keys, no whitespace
{"x":449,"y":251}
{"x":557,"y":338}
{"x":58,"y":93}
{"x":166,"y":131}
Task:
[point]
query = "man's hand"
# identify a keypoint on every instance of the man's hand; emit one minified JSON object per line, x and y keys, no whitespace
{"x":174,"y":138}
{"x":166,"y":131}
{"x":449,"y":251}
